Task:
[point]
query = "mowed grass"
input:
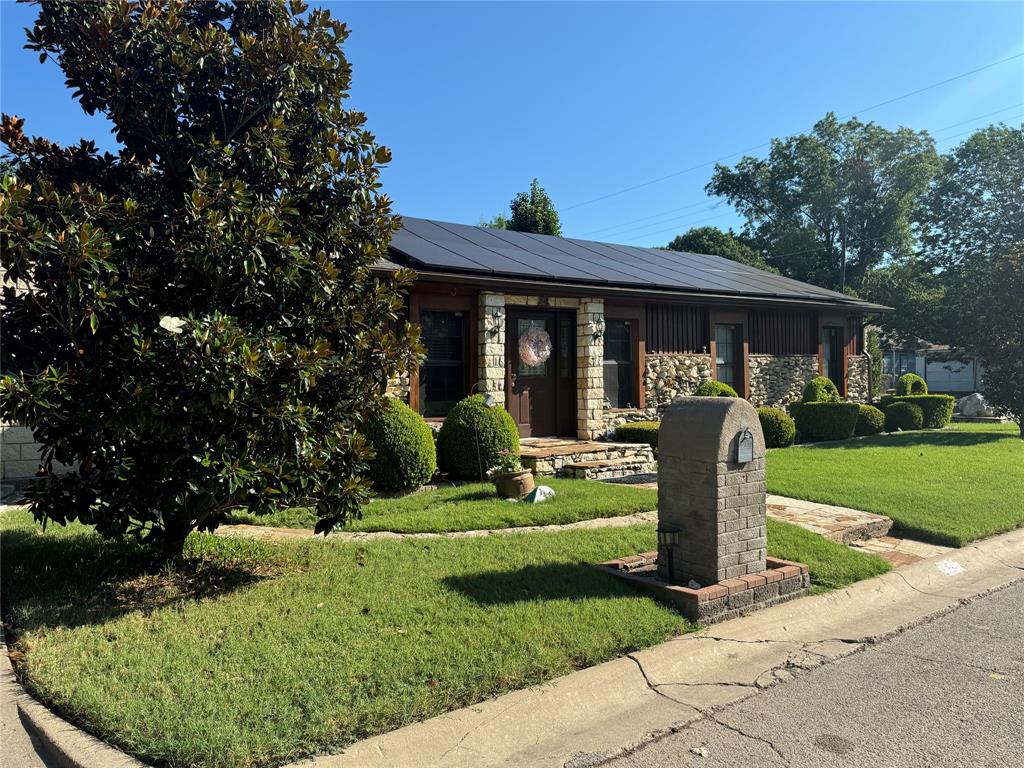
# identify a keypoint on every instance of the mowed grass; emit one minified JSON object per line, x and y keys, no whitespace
{"x":474,"y":506}
{"x":255,"y":654}
{"x":949,"y":486}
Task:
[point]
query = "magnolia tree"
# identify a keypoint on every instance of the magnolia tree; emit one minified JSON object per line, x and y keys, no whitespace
{"x":193,"y":322}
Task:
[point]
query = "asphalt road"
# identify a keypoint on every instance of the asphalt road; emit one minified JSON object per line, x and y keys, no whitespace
{"x":949,"y":693}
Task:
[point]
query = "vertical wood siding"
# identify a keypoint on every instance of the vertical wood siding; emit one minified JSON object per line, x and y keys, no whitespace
{"x":855,"y":333}
{"x":676,"y":328}
{"x":779,"y":332}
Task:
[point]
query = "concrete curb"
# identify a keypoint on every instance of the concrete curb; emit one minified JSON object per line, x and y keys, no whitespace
{"x":66,"y":746}
{"x":589,"y":717}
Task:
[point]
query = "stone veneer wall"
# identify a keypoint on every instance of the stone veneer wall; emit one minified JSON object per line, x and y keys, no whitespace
{"x":857,"y":390}
{"x":777,"y":380}
{"x":667,"y":377}
{"x":491,"y":332}
{"x":398,"y":387}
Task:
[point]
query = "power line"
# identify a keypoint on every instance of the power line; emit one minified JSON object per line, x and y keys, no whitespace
{"x":764,"y":144}
{"x":645,"y":218}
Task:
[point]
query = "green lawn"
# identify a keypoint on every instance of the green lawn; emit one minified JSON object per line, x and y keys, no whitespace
{"x":474,"y":506}
{"x":950,"y":486}
{"x":253,"y":654}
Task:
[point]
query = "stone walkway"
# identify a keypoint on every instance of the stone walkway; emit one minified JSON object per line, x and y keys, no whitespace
{"x":900,"y":552}
{"x":840,"y":524}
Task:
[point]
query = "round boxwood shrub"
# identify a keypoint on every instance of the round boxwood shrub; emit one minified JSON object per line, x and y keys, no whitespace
{"x":937,"y":409}
{"x":467,"y":423}
{"x":903,"y":416}
{"x":870,"y":421}
{"x":404,"y":445}
{"x":778,"y":427}
{"x":638,"y":432}
{"x":825,"y":421}
{"x":820,"y":389}
{"x":911,"y":384}
{"x":714,"y":388}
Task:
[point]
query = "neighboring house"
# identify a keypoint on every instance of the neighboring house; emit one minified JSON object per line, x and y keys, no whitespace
{"x":943,"y":369}
{"x":573,"y":336}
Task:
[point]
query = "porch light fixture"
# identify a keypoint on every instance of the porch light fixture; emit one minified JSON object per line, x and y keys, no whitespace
{"x":496,"y":324}
{"x":597,"y":328}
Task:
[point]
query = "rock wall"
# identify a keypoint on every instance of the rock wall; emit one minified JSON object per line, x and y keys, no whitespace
{"x":777,"y":380}
{"x":857,"y":370}
{"x":669,"y":377}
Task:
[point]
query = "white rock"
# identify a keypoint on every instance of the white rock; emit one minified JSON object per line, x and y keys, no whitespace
{"x":974,"y":406}
{"x":539,"y":494}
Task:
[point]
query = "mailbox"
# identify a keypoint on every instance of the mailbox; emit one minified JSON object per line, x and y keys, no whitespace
{"x":745,"y":447}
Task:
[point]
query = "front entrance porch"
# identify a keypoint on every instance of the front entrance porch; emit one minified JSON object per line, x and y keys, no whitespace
{"x":585,"y":459}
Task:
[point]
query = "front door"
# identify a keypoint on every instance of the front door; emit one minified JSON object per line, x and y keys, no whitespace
{"x":541,"y":372}
{"x":832,"y":355}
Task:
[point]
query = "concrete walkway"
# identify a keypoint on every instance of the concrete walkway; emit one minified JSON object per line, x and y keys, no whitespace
{"x":591,"y":716}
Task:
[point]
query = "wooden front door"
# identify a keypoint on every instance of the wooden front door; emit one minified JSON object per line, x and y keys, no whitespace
{"x":542,"y":394}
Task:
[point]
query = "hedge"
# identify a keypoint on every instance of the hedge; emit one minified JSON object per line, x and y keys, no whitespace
{"x":778,"y":427}
{"x":404,"y":445}
{"x":469,"y":424}
{"x":937,"y":409}
{"x":821,"y":389}
{"x":825,"y":421}
{"x":714,"y":388}
{"x":870,"y":421}
{"x":638,"y":432}
{"x":903,"y":417}
{"x":911,"y":384}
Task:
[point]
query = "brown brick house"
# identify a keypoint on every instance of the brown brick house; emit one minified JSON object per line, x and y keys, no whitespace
{"x":574,"y":336}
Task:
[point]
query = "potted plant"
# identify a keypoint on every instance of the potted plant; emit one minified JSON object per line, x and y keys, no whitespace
{"x":510,"y":479}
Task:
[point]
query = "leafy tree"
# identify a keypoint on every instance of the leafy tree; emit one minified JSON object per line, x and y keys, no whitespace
{"x":497,"y":222}
{"x":714,"y":241}
{"x":992,"y":327}
{"x":915,"y":293}
{"x":534,"y":212}
{"x":975,"y":209}
{"x":829,"y":205}
{"x":194,"y":321}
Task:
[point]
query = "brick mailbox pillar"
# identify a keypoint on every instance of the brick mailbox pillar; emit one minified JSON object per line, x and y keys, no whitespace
{"x":711,"y":491}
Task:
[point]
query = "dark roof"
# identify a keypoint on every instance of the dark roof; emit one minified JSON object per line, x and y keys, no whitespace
{"x":438,"y":246}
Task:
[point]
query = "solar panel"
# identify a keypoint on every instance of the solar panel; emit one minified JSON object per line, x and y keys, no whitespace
{"x":438,"y":245}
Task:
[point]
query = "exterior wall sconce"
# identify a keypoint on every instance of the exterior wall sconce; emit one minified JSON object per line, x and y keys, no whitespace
{"x":496,"y":323}
{"x":597,"y":329}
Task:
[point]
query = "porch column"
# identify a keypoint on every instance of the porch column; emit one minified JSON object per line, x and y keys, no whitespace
{"x":491,"y":338}
{"x":590,"y":368}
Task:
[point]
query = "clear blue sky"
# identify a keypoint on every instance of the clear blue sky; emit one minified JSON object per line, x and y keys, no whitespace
{"x":475,"y":99}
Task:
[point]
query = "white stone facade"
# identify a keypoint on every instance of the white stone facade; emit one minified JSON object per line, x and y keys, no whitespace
{"x":857,"y":370}
{"x":491,"y":340}
{"x":590,"y":418}
{"x":777,"y":380}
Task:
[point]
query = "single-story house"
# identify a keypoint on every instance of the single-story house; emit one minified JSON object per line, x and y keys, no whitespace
{"x":573,"y":336}
{"x":945,"y":369}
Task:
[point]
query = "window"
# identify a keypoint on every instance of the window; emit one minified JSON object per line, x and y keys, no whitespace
{"x":443,"y":373}
{"x":728,"y":349}
{"x":832,"y":352}
{"x":618,"y":364}
{"x":896,"y":362}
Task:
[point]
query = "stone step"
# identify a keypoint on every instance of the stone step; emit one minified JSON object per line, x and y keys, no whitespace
{"x":549,"y":457}
{"x":605,"y":469}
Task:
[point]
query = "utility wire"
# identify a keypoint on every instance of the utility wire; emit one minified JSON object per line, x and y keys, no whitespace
{"x":768,"y":143}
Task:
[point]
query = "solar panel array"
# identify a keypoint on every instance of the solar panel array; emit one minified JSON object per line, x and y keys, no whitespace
{"x":444,"y":246}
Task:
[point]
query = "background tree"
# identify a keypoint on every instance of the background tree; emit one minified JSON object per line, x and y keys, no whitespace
{"x":499,"y":221}
{"x":828,"y":206}
{"x":714,"y":241}
{"x":531,"y":211}
{"x":200,"y":329}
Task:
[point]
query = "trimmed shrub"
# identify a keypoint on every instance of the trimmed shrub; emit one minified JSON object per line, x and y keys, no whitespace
{"x":825,"y":421}
{"x":911,"y":384}
{"x":638,"y":432}
{"x":885,"y":401}
{"x":903,"y":416}
{"x":870,"y":421}
{"x":468,"y":423}
{"x":714,"y":388}
{"x":937,"y":409}
{"x":404,"y":445}
{"x":778,"y":427}
{"x":820,"y":389}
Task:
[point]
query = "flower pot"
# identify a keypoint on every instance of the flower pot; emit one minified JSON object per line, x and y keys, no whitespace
{"x":512,"y":485}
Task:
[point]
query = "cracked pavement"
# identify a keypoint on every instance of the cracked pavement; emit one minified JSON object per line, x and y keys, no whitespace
{"x":947,"y":693}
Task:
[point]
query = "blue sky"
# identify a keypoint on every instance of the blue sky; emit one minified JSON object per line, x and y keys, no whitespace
{"x":475,"y":99}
